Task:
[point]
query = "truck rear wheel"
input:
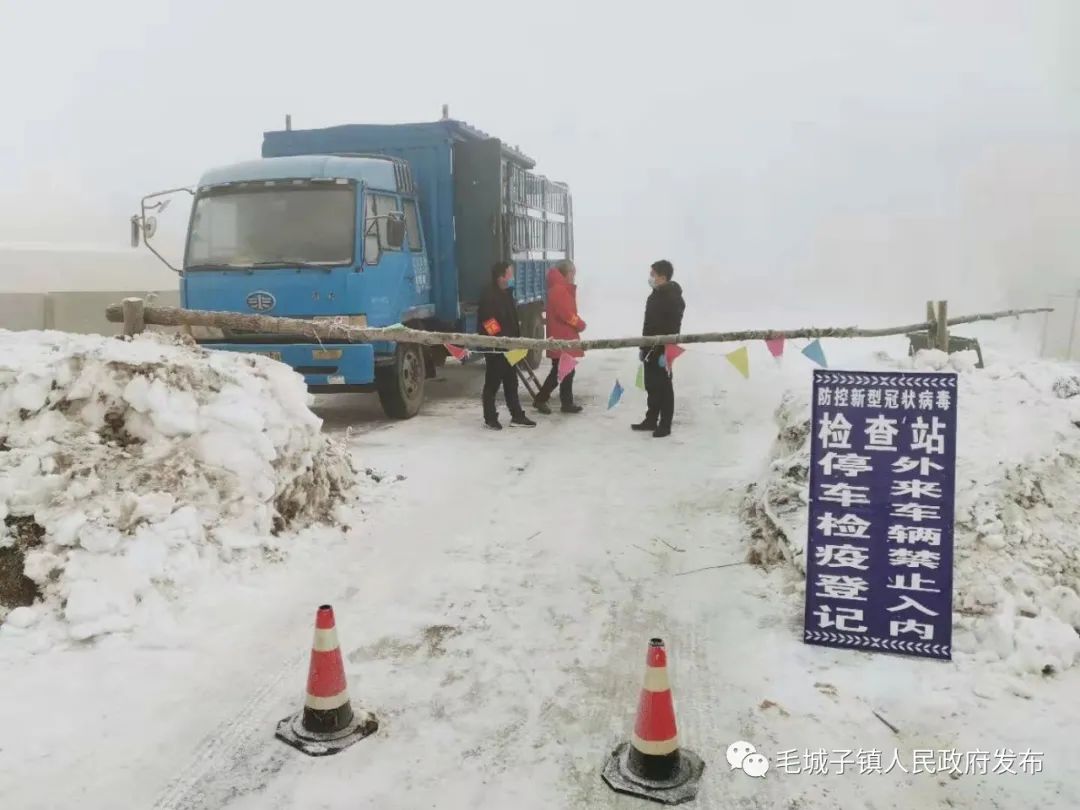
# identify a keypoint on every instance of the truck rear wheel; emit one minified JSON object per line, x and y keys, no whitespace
{"x":401,"y":384}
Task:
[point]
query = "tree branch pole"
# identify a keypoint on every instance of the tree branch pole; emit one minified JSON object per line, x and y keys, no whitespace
{"x":331,"y":332}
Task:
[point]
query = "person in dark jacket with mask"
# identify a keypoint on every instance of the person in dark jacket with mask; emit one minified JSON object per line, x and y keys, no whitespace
{"x":663,"y":316}
{"x":497,"y":315}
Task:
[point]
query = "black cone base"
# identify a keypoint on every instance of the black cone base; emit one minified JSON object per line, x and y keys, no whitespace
{"x":681,"y":787}
{"x":291,"y":731}
{"x":327,"y":721}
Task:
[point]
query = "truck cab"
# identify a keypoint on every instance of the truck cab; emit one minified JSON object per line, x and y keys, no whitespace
{"x":370,"y":225}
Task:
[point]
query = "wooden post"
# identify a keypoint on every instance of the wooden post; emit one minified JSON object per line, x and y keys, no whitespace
{"x":943,"y":326}
{"x":931,"y":330}
{"x":133,"y":317}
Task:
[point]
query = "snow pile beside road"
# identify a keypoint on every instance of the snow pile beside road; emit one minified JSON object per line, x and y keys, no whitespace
{"x":1017,"y":551}
{"x":128,"y":470}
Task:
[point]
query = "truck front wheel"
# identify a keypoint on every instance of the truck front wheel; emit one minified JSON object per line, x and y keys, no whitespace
{"x":401,"y":384}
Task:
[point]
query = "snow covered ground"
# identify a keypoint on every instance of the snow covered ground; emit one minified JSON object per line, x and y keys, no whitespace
{"x":1017,"y":554}
{"x":494,"y":595}
{"x":131,"y":470}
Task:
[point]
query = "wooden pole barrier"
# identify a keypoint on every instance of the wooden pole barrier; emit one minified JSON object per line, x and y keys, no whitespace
{"x":339,"y":332}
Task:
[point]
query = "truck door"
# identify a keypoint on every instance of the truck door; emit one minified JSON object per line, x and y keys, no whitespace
{"x":418,"y":278}
{"x":389,"y":276}
{"x":478,"y":208}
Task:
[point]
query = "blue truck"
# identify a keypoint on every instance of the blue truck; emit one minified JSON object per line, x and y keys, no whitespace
{"x":368,"y":225}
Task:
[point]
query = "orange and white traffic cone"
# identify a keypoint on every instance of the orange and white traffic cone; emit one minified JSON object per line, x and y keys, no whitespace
{"x":652,"y":765}
{"x":327,"y":723}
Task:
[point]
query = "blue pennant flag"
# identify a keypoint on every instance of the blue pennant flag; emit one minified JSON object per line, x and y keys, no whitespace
{"x":616,"y":395}
{"x":816,"y":353}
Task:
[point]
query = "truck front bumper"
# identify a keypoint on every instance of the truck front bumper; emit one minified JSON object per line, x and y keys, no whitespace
{"x":326,"y":367}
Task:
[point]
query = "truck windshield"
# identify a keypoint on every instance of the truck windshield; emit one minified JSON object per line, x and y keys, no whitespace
{"x":250,"y":225}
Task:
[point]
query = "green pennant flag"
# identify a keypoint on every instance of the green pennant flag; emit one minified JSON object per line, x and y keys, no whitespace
{"x":640,"y":381}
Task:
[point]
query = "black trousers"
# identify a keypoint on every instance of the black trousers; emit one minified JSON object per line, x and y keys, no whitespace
{"x":660,"y":390}
{"x":499,"y":372}
{"x":566,"y":387}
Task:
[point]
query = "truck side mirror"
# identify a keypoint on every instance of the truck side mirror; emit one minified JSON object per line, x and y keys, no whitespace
{"x":145,"y":227}
{"x":395,"y":231}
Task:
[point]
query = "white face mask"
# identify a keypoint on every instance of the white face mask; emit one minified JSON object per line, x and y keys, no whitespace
{"x":652,"y":282}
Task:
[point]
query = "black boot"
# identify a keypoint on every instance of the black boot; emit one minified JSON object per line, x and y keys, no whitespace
{"x":662,"y":431}
{"x":521,"y":420}
{"x":571,"y":407}
{"x":493,"y":423}
{"x":542,"y":406}
{"x":648,"y":425}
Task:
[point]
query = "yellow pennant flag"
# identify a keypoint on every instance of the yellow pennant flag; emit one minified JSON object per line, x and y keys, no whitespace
{"x":515,"y":356}
{"x":740,"y":358}
{"x":640,"y":381}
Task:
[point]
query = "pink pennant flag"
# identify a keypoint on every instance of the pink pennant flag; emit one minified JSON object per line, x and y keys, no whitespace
{"x":566,"y":365}
{"x":671,"y":353}
{"x":457,"y":352}
{"x":776,"y":347}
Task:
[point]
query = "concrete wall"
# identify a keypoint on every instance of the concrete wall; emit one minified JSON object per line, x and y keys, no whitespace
{"x":82,"y":312}
{"x":19,"y":311}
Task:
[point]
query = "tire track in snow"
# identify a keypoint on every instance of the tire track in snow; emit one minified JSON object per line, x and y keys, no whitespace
{"x":241,"y":753}
{"x":572,"y":726}
{"x":226,"y":743}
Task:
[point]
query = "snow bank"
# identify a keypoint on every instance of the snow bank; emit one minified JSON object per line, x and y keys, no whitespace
{"x":1017,"y":553}
{"x":128,"y":469}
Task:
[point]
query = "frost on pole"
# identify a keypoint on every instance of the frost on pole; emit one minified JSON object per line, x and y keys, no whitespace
{"x":882,"y":483}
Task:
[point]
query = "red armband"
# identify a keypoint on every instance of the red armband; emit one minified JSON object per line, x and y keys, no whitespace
{"x":491,"y":326}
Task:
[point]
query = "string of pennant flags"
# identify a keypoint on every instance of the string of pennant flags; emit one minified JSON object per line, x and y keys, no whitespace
{"x":739,"y":358}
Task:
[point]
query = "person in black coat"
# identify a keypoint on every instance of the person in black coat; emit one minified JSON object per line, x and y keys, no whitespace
{"x":663,"y":316}
{"x":497,"y":315}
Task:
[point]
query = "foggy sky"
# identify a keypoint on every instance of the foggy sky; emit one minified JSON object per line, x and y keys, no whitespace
{"x":873,"y":150}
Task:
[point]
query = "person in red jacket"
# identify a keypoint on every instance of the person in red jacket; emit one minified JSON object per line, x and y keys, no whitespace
{"x":563,"y":323}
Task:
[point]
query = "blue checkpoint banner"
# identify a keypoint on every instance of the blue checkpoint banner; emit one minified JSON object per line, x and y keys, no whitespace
{"x":879,"y":557}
